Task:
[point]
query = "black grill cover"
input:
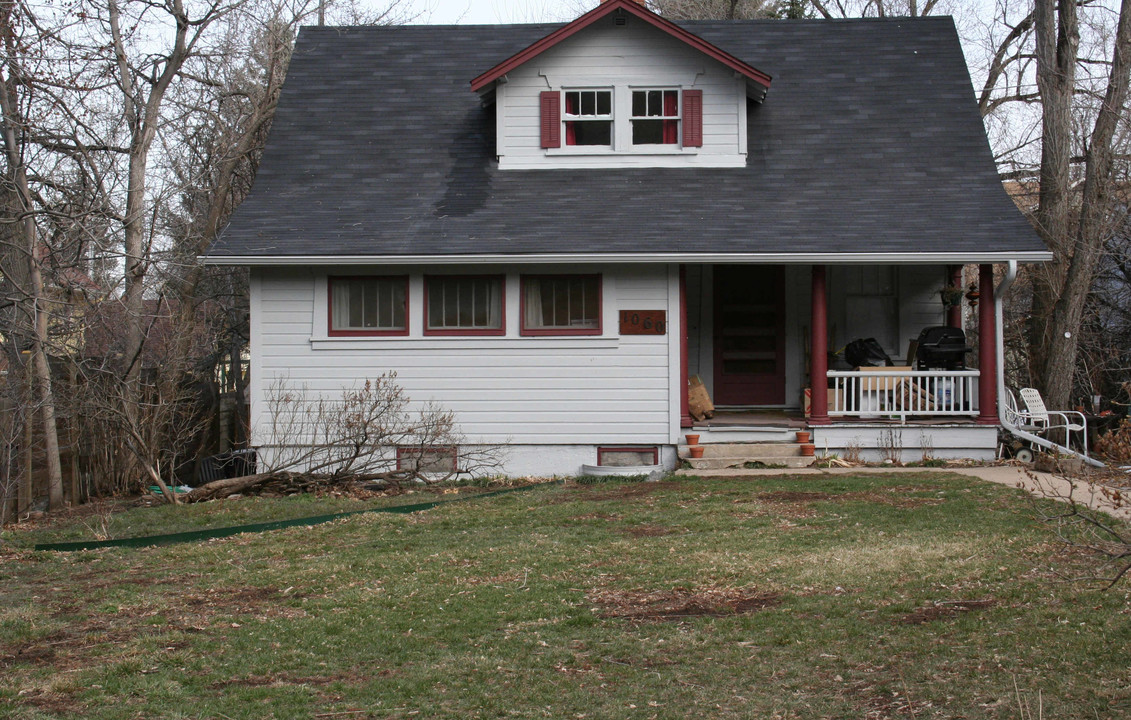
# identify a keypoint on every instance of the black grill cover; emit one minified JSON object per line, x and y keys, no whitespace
{"x":942,"y":347}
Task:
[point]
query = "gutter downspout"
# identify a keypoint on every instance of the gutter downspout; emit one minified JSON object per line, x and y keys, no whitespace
{"x":999,"y":299}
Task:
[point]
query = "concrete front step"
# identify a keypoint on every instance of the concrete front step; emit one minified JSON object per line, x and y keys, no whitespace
{"x":713,"y":450}
{"x":719,"y":456}
{"x":723,"y":463}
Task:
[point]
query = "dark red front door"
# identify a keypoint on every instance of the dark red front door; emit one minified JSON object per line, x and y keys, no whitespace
{"x":749,"y":335}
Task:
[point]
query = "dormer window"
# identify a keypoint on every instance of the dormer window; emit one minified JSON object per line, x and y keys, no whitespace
{"x":588,"y":117}
{"x":655,"y":117}
{"x":622,"y":120}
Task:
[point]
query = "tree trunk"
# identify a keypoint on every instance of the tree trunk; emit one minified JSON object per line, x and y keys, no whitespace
{"x":33,"y":291}
{"x":1057,"y":43}
{"x":1060,"y":294}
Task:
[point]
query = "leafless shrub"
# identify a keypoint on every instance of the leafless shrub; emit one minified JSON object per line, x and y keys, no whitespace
{"x":371,"y":431}
{"x":891,"y":445}
{"x":853,"y":453}
{"x":927,"y":446}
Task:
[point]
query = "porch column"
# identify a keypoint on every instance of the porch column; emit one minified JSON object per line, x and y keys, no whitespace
{"x":819,"y":352}
{"x":987,"y":348}
{"x":684,"y":409}
{"x":954,"y":312}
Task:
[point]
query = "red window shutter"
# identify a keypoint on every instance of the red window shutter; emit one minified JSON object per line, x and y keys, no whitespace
{"x":693,"y":118}
{"x":551,"y":119}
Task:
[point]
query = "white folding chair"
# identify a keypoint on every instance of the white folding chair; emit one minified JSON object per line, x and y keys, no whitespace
{"x":1019,"y":419}
{"x":1044,"y":420}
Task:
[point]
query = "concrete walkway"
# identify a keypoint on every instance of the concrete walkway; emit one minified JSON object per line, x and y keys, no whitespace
{"x":1038,"y":483}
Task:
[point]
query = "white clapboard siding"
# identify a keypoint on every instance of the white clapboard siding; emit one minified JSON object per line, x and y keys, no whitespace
{"x":570,"y":390}
{"x":919,"y":303}
{"x":635,"y":55}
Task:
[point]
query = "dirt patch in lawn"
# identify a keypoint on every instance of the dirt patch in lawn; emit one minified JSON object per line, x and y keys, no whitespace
{"x":621,"y":491}
{"x":680,"y":603}
{"x":55,"y":703}
{"x":794,"y":496}
{"x":881,"y":695}
{"x":895,"y":497}
{"x":356,"y":677}
{"x":648,"y":531}
{"x":597,"y":516}
{"x":944,"y":609}
{"x":240,"y":599}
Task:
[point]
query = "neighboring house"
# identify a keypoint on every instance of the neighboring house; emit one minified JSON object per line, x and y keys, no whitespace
{"x":549,"y":228}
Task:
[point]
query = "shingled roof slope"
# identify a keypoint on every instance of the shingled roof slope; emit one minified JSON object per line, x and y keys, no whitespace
{"x":869,"y":142}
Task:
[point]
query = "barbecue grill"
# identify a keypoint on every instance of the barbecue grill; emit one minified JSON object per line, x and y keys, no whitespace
{"x":942,"y":348}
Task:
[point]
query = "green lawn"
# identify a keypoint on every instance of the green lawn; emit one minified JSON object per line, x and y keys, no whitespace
{"x":911,"y":596}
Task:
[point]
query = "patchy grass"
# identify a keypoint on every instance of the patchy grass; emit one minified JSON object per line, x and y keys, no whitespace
{"x":910,"y":596}
{"x":107,"y":519}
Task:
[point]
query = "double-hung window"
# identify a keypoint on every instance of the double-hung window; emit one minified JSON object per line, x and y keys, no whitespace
{"x":463,"y":305}
{"x":588,"y":117}
{"x":561,"y":304}
{"x":650,"y":120}
{"x":368,"y":306}
{"x":655,"y":117}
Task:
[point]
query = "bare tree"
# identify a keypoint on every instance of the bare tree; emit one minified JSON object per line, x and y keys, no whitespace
{"x":1076,"y":223}
{"x":143,"y":77}
{"x":715,"y":9}
{"x":831,"y":9}
{"x":21,"y":255}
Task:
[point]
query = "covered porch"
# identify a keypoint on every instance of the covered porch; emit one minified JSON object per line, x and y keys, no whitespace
{"x":765,"y":340}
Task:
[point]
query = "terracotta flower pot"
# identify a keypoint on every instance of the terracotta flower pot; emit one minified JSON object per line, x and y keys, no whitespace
{"x":692,"y":439}
{"x":695,"y":451}
{"x":808,"y":450}
{"x":803,"y":436}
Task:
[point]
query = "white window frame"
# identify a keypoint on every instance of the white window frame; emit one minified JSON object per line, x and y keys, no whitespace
{"x":678,"y":117}
{"x":580,"y":117}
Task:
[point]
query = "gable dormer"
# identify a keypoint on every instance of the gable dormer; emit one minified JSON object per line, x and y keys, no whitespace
{"x":621,"y":87}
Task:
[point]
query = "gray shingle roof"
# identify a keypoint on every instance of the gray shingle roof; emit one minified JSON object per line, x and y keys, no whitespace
{"x":869,"y":141}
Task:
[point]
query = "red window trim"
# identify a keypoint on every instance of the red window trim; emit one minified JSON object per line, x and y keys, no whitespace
{"x":470,"y":332}
{"x":542,"y":332}
{"x":404,"y":451}
{"x":601,"y":450}
{"x":331,"y":332}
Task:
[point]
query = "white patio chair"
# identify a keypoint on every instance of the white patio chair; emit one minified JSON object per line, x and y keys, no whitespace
{"x":1044,"y":420}
{"x":1019,"y":419}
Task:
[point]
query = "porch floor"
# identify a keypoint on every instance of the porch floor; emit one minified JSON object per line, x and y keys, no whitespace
{"x":754,"y":417}
{"x":795,"y":420}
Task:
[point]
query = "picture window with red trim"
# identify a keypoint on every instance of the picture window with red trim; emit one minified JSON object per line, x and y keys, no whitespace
{"x":561,"y":304}
{"x":368,"y":305}
{"x":463,"y":305}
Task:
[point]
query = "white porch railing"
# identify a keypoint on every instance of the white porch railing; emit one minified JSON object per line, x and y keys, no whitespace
{"x":903,"y":393}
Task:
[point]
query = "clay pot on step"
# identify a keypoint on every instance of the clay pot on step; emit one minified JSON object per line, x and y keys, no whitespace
{"x":803,"y":436}
{"x":695,"y":451}
{"x":808,"y":450}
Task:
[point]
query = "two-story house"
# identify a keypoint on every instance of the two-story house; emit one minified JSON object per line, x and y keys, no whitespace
{"x":549,"y":228}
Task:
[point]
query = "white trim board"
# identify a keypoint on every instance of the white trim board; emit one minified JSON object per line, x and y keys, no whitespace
{"x":637,"y":258}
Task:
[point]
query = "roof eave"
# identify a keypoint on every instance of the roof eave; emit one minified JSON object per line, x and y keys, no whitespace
{"x":815,"y":258}
{"x":602,"y":10}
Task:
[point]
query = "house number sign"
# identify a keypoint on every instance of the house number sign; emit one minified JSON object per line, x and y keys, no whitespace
{"x":643,"y":322}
